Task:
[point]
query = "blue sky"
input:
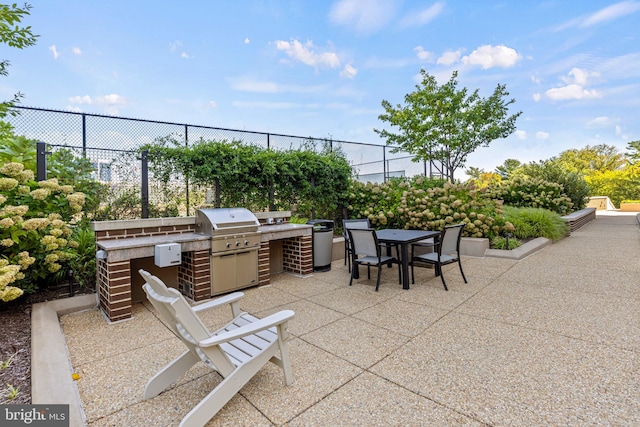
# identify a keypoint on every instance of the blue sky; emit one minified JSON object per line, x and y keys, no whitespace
{"x":322,"y":68}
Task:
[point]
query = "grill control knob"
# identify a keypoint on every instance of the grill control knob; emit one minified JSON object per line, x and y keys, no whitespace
{"x":246,"y":242}
{"x":237,"y":243}
{"x":228,"y":244}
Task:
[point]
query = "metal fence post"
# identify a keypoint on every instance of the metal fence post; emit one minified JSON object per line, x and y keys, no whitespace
{"x":186,"y":178}
{"x":144,"y":185}
{"x":384,"y":163}
{"x":41,"y":161}
{"x":84,"y":135}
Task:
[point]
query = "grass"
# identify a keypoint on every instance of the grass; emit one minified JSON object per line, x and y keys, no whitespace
{"x":530,"y":223}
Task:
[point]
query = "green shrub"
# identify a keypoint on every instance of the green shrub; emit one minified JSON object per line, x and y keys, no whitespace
{"x":575,"y":185}
{"x":83,"y":261}
{"x":523,"y":191}
{"x":379,"y":202}
{"x":435,"y":208}
{"x":34,"y":229}
{"x":530,"y":223}
{"x":500,"y":242}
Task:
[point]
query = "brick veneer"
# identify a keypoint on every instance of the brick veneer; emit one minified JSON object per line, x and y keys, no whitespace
{"x":114,"y":288}
{"x":194,"y":275}
{"x":297,"y":255}
{"x":132,"y":233}
{"x":264,"y":267}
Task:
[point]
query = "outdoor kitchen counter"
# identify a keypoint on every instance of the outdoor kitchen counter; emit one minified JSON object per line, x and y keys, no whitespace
{"x":142,"y":247}
{"x":284,"y":231}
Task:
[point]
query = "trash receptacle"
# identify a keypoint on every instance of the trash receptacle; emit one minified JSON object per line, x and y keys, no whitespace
{"x":322,"y":244}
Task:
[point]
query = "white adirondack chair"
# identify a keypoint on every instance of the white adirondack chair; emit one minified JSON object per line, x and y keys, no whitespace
{"x":237,"y":351}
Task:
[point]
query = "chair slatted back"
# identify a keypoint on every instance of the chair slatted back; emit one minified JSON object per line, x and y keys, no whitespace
{"x":355,"y":224}
{"x":450,"y":239}
{"x":183,"y":321}
{"x":364,"y":242}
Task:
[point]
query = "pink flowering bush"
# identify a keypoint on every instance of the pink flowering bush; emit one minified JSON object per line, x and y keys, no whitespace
{"x":35,"y":226}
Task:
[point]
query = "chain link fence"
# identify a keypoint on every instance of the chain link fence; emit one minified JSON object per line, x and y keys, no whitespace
{"x":112,"y":145}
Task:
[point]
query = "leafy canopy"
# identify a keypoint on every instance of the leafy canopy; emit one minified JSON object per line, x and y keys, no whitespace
{"x":443,"y":123}
{"x":14,"y":36}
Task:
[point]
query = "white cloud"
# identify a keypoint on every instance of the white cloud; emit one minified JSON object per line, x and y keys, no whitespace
{"x":266,"y":105}
{"x":612,"y":12}
{"x":601,"y":121}
{"x":184,"y":55}
{"x":489,"y":56}
{"x":248,"y":84}
{"x":520,"y":134}
{"x":109,"y":103}
{"x":80,"y":99}
{"x":349,"y":72}
{"x":572,"y":91}
{"x":247,"y":41}
{"x":620,"y":134}
{"x":363,"y":17}
{"x":450,"y":57}
{"x":535,"y":79}
{"x":212,"y":104}
{"x":422,"y":54}
{"x":307,"y":54}
{"x":542,"y":135}
{"x":54,"y":51}
{"x":175,"y":45}
{"x":76,"y":51}
{"x":576,"y":80}
{"x":424,"y":16}
{"x":537,"y":96}
{"x":579,"y":76}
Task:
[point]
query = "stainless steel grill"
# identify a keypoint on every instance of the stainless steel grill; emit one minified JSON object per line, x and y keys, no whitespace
{"x":217,"y":221}
{"x":235,"y":241}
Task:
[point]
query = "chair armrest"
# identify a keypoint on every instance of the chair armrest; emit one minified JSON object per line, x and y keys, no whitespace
{"x":227,"y":299}
{"x":252,"y":328}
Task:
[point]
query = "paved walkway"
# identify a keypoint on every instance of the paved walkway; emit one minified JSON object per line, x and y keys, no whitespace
{"x":553,"y":339}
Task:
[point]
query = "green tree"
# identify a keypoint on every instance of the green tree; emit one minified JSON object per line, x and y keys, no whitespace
{"x":633,"y":155}
{"x":597,"y":158}
{"x":508,"y":167}
{"x":14,"y":36}
{"x":444,"y":123}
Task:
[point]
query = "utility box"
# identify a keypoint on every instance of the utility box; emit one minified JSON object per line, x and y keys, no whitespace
{"x":168,"y":254}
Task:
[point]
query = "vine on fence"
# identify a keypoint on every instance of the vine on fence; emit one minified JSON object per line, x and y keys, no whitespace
{"x":311,"y":181}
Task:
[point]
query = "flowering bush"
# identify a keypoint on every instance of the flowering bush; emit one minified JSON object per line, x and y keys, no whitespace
{"x":435,"y":208}
{"x":378,"y":202}
{"x":428,"y":204}
{"x":522,"y":191}
{"x":35,"y":227}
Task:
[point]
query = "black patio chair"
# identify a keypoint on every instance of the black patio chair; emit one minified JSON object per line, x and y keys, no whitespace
{"x":365,"y":250}
{"x":448,"y":251}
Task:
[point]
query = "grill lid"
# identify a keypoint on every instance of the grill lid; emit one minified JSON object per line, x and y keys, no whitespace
{"x":212,"y":221}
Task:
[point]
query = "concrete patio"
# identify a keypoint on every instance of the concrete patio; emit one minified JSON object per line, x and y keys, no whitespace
{"x":553,"y":339}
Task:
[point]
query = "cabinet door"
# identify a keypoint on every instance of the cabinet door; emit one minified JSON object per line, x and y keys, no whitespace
{"x":223,"y":273}
{"x":247,"y":268}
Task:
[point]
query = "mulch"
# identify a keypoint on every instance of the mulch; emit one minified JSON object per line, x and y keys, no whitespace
{"x":15,"y":343}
